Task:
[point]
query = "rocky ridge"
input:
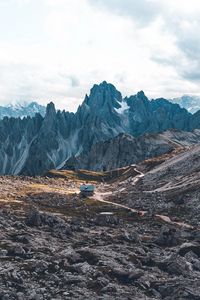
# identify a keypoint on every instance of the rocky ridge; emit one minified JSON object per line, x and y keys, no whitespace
{"x":125,"y":150}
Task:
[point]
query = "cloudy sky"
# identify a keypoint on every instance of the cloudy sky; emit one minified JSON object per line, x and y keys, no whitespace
{"x":57,"y":49}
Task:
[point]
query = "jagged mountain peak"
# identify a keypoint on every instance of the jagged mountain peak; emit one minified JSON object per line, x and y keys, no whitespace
{"x":102,"y":95}
{"x":141,"y":95}
{"x":103,"y":85}
{"x":50,"y":110}
{"x":50,"y":117}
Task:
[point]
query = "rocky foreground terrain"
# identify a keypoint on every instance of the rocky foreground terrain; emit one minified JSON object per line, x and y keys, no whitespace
{"x":138,"y":237}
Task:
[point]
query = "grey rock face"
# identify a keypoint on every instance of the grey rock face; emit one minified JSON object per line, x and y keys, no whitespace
{"x":31,"y":146}
{"x":16,"y":138}
{"x":155,"y":116}
{"x":125,"y":150}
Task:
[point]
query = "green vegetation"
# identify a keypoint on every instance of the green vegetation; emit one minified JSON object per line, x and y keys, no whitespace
{"x":91,"y":176}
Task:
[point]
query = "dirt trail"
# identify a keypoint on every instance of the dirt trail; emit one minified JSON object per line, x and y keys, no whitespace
{"x":100,"y":196}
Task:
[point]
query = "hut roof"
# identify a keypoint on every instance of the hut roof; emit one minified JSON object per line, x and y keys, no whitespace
{"x":87,"y":188}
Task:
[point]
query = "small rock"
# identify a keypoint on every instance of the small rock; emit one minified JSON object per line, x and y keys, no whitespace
{"x":131,"y":236}
{"x":110,"y":288}
{"x":91,"y":256}
{"x":17,"y":251}
{"x":3,"y":252}
{"x":168,"y":237}
{"x":186,"y":247}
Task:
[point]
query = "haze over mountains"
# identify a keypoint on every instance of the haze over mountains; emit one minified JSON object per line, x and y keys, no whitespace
{"x":31,"y":146}
{"x":22,"y":110}
{"x":191,"y":103}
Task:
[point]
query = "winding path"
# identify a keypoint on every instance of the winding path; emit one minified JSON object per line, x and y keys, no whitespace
{"x":99,"y":196}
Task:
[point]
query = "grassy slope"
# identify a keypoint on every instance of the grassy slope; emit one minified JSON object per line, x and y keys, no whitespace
{"x":85,"y":175}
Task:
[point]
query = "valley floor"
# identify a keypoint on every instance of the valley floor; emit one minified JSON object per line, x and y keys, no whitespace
{"x":56,"y":245}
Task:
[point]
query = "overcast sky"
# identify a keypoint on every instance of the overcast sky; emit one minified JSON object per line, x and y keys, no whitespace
{"x":57,"y":49}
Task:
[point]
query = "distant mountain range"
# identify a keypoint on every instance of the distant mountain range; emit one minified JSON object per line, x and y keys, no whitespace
{"x":22,"y":110}
{"x":191,"y":103}
{"x":31,"y":146}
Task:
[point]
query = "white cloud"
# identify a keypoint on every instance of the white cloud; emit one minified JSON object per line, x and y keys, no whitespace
{"x":69,"y":45}
{"x":180,"y":25}
{"x":143,"y":12}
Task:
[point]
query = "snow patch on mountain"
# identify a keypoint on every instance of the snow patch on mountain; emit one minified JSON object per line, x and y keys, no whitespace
{"x":189,"y":102}
{"x":21,"y":110}
{"x":123,"y":108}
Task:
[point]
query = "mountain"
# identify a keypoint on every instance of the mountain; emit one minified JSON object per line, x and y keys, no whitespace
{"x":125,"y":150}
{"x":31,"y":146}
{"x":191,"y":103}
{"x":20,"y":111}
{"x":16,"y":138}
{"x":155,"y":116}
